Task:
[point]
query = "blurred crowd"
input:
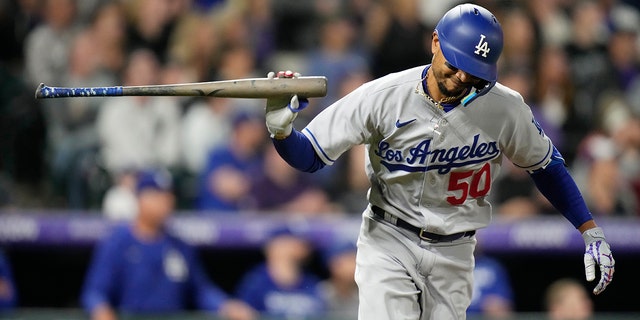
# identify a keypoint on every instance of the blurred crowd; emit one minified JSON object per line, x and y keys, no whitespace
{"x":576,"y":62}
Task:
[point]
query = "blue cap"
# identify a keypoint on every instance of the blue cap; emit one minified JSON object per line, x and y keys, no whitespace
{"x":154,"y":179}
{"x":241,"y":117}
{"x":337,"y":249}
{"x":285,"y":231}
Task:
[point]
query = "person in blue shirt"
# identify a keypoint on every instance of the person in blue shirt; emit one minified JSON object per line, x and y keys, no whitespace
{"x":280,"y":287}
{"x":492,"y":294}
{"x":142,"y":269}
{"x":225,"y":182}
{"x":8,"y":297}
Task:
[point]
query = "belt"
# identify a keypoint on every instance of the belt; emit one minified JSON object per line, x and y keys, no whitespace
{"x":424,"y":235}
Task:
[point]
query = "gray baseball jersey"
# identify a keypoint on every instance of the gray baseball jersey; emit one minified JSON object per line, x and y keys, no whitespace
{"x":432,"y":168}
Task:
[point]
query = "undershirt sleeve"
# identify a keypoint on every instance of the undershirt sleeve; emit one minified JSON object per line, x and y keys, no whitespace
{"x":297,"y":151}
{"x":557,"y":185}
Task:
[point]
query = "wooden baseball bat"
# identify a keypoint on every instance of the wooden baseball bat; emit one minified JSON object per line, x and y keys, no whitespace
{"x":306,"y":87}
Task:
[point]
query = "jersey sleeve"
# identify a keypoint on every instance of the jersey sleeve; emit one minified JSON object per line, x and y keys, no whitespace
{"x":525,"y":143}
{"x":342,"y":125}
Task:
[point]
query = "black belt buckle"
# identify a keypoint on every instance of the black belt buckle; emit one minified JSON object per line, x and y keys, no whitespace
{"x":423,"y":235}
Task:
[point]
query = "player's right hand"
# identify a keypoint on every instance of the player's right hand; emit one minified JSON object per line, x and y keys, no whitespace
{"x":281,"y":111}
{"x":598,"y":252}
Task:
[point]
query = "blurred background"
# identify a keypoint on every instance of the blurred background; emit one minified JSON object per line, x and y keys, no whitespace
{"x":69,"y":167}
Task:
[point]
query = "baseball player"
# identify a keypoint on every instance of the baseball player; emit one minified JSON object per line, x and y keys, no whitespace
{"x":435,"y":136}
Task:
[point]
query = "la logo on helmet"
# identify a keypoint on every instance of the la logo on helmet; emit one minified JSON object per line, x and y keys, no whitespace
{"x":482,"y":46}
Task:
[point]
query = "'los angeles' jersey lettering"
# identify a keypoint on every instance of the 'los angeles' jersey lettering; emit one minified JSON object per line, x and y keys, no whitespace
{"x":420,"y":158}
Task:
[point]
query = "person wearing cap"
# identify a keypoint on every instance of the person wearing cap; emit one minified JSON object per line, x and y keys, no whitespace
{"x":225,"y":182}
{"x":340,"y":290}
{"x":140,"y":268}
{"x":280,"y":287}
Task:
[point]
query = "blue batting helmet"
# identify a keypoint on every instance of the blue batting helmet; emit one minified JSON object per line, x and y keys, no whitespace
{"x":471,"y":40}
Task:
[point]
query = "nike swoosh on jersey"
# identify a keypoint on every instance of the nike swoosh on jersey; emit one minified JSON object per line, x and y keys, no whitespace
{"x":402,"y":124}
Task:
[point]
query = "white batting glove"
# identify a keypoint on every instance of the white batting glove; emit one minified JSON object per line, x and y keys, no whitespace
{"x":598,"y":252}
{"x":280,"y":112}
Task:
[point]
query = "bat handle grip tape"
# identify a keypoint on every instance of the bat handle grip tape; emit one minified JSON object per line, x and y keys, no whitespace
{"x":53,"y":92}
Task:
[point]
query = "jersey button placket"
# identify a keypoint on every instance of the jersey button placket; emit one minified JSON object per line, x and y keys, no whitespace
{"x":441,"y":127}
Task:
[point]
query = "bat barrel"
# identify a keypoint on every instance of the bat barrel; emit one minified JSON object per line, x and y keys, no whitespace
{"x":259,"y":88}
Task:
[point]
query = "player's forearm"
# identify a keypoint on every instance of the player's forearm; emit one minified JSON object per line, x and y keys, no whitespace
{"x":297,"y":151}
{"x":590,"y":224}
{"x":558,"y":187}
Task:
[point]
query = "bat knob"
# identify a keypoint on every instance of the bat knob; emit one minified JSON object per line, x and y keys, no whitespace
{"x":39,"y":91}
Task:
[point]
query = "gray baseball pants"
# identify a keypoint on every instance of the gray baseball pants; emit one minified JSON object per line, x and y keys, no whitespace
{"x":401,"y":277}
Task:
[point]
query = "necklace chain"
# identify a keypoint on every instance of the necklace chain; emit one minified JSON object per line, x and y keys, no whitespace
{"x":438,"y":104}
{"x":423,"y":93}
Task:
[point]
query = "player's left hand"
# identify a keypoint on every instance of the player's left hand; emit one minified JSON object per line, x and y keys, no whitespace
{"x":280,"y":112}
{"x":598,"y":253}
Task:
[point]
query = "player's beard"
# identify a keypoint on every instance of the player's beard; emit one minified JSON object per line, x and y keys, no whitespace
{"x":450,"y":94}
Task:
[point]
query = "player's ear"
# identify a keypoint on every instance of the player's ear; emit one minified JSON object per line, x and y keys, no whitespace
{"x":435,"y":43}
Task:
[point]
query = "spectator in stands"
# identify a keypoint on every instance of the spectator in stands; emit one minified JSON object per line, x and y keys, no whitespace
{"x":396,"y":37}
{"x":258,"y":17}
{"x":205,"y":126}
{"x":95,"y":57}
{"x":552,"y":22}
{"x":238,"y":62}
{"x":120,"y":201}
{"x":281,"y":287}
{"x":195,"y":45}
{"x":108,"y":29}
{"x":553,"y":95}
{"x":47,"y":50}
{"x":520,"y":39}
{"x":8,"y":296}
{"x":567,"y":299}
{"x":340,"y":290}
{"x":47,"y":46}
{"x":225,"y":182}
{"x":335,"y":58}
{"x":606,"y":168}
{"x":142,"y":269}
{"x":151,"y":23}
{"x":589,"y":69}
{"x":492,"y":294}
{"x":72,"y":127}
{"x":623,"y":48}
{"x":139,"y":132}
{"x":278,"y":187}
{"x":514,"y":194}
